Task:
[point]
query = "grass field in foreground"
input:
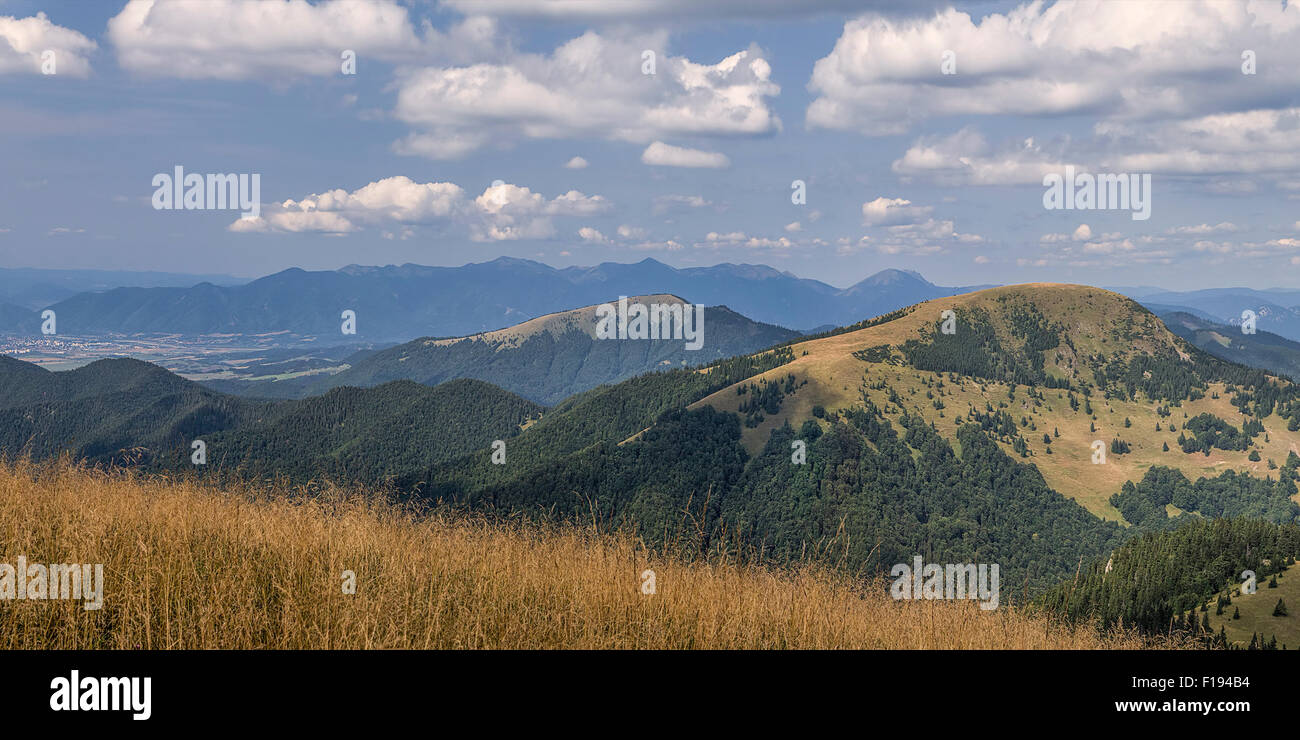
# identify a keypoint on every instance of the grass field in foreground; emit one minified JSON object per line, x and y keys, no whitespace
{"x":188,"y":566}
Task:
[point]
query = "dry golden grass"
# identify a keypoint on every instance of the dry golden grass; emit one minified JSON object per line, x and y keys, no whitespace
{"x":188,"y":566}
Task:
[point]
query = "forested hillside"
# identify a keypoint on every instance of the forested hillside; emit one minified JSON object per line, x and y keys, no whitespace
{"x":129,"y":412}
{"x":547,"y":359}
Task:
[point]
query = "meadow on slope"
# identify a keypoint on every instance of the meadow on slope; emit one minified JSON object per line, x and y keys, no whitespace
{"x":191,"y":566}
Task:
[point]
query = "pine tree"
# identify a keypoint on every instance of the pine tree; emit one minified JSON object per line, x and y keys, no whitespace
{"x":1236,"y":613}
{"x":1280,"y":609}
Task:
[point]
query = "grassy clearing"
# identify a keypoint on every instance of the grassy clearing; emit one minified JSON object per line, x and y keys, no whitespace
{"x":187,"y":566}
{"x":1257,"y":612}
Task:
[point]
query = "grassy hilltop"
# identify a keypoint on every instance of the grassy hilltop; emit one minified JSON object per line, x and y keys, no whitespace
{"x":1047,"y":334}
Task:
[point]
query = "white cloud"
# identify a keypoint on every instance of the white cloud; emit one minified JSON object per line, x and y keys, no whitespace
{"x":893,"y":211}
{"x":592,"y":236}
{"x":1251,"y":141}
{"x":1205,"y":228}
{"x":23,"y":41}
{"x":590,"y":87}
{"x":793,"y":228}
{"x":715,"y":239}
{"x":1082,"y":234}
{"x":502,"y":212}
{"x":1113,"y":59}
{"x":593,"y":10}
{"x":930,"y":236}
{"x":631,"y":232}
{"x":666,"y":155}
{"x":966,"y":158}
{"x":249,"y":39}
{"x":577,"y":163}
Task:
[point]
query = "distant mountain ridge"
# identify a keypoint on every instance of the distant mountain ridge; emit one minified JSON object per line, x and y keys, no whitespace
{"x":400,"y":302}
{"x":1276,"y":310}
{"x":1261,"y":349}
{"x":33,"y":289}
{"x":545,"y":359}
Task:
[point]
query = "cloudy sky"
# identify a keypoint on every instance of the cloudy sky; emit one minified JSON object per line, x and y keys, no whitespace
{"x":921,"y":133}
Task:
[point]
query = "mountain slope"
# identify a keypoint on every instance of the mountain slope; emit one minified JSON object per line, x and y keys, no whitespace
{"x":373,"y":434}
{"x":549,"y":358}
{"x":1070,"y":362}
{"x":110,"y":410}
{"x":127,"y":411}
{"x":1277,"y":311}
{"x":1261,"y":349}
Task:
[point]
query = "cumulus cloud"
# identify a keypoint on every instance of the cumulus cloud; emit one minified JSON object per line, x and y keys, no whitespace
{"x":592,"y":10}
{"x":592,"y":236}
{"x":251,"y":39}
{"x":931,"y":236}
{"x":716,"y":240}
{"x":577,"y":163}
{"x":1205,"y":228}
{"x":23,"y":42}
{"x":892,"y":211}
{"x":590,"y":87}
{"x":666,"y":155}
{"x":1127,"y":60}
{"x":503,"y":211}
{"x":966,"y":158}
{"x":1252,"y":141}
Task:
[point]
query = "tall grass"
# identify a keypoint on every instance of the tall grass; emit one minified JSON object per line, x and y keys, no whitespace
{"x":191,"y":566}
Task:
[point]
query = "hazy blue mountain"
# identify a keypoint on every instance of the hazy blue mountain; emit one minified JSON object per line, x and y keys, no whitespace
{"x":1262,"y":349}
{"x":1277,"y":311}
{"x":35,"y":289}
{"x":18,"y":319}
{"x":546,"y":359}
{"x":397,"y":303}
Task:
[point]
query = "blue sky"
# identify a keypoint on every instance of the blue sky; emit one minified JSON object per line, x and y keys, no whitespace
{"x":904,"y":166}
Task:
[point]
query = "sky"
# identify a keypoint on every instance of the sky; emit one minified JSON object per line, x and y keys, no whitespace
{"x":827,"y":138}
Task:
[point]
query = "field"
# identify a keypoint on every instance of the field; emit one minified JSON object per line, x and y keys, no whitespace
{"x":187,"y":566}
{"x":1257,"y":613}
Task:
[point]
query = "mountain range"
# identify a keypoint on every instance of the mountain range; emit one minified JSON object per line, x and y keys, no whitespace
{"x":398,"y":303}
{"x":1261,"y":349}
{"x":968,"y":428}
{"x":33,"y":289}
{"x":1276,"y":311}
{"x":546,"y":359}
